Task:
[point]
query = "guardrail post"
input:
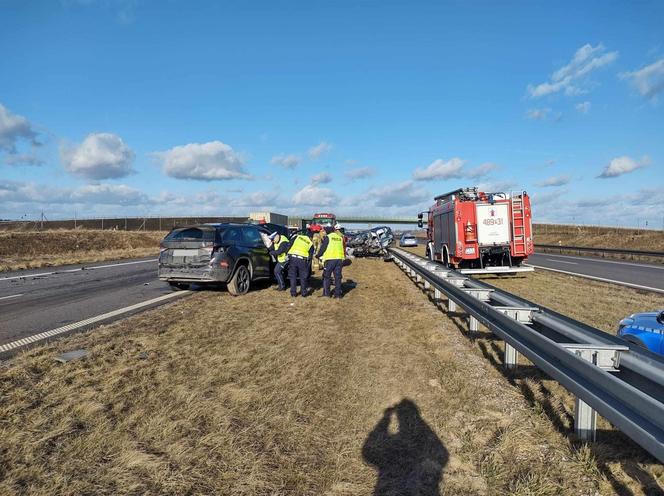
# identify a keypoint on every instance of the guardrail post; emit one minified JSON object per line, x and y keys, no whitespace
{"x":427,"y":285}
{"x":418,"y":278}
{"x":473,"y":324}
{"x":451,"y":305}
{"x":511,"y":357}
{"x":585,"y":421}
{"x":436,"y":294}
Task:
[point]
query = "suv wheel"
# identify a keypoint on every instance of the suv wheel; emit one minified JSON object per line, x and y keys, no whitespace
{"x":240,"y":282}
{"x":179,"y":286}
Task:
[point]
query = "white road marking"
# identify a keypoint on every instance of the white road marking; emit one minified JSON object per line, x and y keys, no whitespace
{"x":42,"y":274}
{"x":11,"y":296}
{"x":77,"y":325}
{"x":562,"y":261}
{"x":591,"y":259}
{"x":602,"y":279}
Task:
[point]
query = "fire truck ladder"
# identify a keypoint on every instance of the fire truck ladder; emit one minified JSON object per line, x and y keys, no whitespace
{"x":518,"y":223}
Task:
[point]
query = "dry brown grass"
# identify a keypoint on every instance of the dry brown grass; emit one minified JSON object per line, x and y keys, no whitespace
{"x":622,"y":466}
{"x":599,"y":237}
{"x":24,"y":250}
{"x":267,"y":395}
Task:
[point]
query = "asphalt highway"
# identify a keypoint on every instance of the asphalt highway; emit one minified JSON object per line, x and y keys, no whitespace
{"x":641,"y":276}
{"x":40,"y":300}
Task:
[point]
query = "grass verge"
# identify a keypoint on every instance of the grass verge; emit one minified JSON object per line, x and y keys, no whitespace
{"x":25,"y":250}
{"x":267,"y":395}
{"x":624,"y":467}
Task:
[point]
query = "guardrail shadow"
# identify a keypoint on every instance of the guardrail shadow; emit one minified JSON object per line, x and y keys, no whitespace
{"x":407,"y":454}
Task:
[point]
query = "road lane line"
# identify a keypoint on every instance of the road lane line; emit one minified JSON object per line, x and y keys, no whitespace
{"x":79,"y":269}
{"x":11,"y":296}
{"x":77,"y":325}
{"x":599,"y":260}
{"x":122,"y":263}
{"x":561,"y":261}
{"x":602,"y":279}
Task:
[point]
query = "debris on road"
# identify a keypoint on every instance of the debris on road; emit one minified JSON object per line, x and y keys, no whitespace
{"x":370,"y":243}
{"x":71,"y":355}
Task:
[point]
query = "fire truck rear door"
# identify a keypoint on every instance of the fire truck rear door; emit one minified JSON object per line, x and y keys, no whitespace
{"x":493,"y":225}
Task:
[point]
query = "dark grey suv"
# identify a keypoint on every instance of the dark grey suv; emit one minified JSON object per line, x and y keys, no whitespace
{"x":211,"y":253}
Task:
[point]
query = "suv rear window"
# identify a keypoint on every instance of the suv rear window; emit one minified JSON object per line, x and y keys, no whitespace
{"x":232,"y":235}
{"x":191,"y":234}
{"x":252,"y":235}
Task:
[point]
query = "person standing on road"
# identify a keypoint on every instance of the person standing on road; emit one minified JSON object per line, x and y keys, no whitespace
{"x":332,"y":253}
{"x":300,"y":253}
{"x":280,"y":247}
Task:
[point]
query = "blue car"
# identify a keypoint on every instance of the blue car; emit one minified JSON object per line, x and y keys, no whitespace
{"x":645,"y":329}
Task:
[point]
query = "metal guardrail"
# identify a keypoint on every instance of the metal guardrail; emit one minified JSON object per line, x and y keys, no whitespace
{"x":614,"y":251}
{"x":588,"y":368}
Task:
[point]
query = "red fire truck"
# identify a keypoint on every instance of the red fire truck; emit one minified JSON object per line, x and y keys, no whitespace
{"x":480,"y":232}
{"x":321,"y":220}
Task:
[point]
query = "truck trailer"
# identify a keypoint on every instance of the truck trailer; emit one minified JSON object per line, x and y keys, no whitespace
{"x":478,"y":232}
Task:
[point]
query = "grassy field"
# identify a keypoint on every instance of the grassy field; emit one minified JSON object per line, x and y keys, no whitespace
{"x":23,"y":250}
{"x":599,"y":237}
{"x":264,"y":394}
{"x":625,"y":468}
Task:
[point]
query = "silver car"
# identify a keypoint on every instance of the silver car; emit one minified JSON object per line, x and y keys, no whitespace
{"x":408,"y":240}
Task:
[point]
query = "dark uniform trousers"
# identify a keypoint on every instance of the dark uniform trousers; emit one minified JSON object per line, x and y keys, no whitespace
{"x":298,"y":268}
{"x":332,"y":267}
{"x":279,"y":273}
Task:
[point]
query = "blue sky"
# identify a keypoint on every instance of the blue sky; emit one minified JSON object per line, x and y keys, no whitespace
{"x":134,"y":107}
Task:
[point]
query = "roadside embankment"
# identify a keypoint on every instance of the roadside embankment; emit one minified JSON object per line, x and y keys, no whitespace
{"x":24,"y":250}
{"x":265,"y":394}
{"x":600,"y":237}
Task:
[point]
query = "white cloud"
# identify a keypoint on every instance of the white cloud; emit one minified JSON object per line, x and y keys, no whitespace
{"x":583,"y":107}
{"x":312,"y":195}
{"x":649,"y":80}
{"x":570,"y":77}
{"x":440,"y":169}
{"x":204,"y":161}
{"x":397,"y":195}
{"x":256,"y":199}
{"x":23,"y":159}
{"x":499,"y":186}
{"x":13,"y":128}
{"x":319,"y":150}
{"x":286,"y":161}
{"x":360,"y":173}
{"x":623,"y":165}
{"x":539,"y":199}
{"x":89,"y":194}
{"x":481,"y":170}
{"x":554,"y":181}
{"x":537,"y":114}
{"x":322,"y":178}
{"x":108,"y":194}
{"x":100,"y":156}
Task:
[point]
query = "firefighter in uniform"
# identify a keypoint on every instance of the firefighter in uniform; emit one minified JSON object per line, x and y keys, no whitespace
{"x":300,"y":253}
{"x":332,"y":254}
{"x":318,"y":240}
{"x":280,"y":246}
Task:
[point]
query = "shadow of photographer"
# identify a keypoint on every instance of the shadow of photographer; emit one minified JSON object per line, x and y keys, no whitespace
{"x":406,"y":452}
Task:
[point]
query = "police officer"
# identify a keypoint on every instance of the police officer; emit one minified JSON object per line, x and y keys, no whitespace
{"x":279,"y":250}
{"x":300,"y":253}
{"x":332,"y":254}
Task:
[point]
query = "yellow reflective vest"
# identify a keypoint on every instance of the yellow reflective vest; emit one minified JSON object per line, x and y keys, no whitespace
{"x":335,"y":247}
{"x":282,"y":257}
{"x":301,"y":246}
